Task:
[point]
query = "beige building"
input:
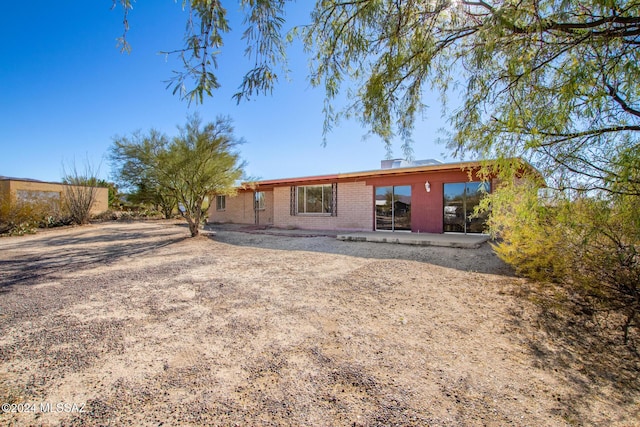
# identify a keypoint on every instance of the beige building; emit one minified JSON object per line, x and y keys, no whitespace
{"x":27,"y":190}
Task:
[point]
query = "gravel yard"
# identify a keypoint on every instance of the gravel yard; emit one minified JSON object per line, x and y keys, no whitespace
{"x":136,"y":324}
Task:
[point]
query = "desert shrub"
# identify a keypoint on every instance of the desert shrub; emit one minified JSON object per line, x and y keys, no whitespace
{"x":80,"y":192}
{"x":21,"y":217}
{"x":128,"y":215}
{"x":150,"y":214}
{"x":78,"y":200}
{"x":589,"y":243}
{"x":108,"y":215}
{"x":55,"y":218}
{"x":526,"y":231}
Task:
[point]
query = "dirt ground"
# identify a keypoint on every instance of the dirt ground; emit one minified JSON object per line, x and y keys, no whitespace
{"x":136,"y":324}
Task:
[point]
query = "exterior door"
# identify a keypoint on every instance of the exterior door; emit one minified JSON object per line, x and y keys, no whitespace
{"x":460,"y":201}
{"x":393,"y":208}
{"x":258,"y":205}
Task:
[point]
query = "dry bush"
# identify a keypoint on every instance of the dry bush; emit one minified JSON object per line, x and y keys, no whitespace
{"x":587,"y":244}
{"x":78,"y":201}
{"x":21,"y":217}
{"x":80,"y":192}
{"x":128,"y":215}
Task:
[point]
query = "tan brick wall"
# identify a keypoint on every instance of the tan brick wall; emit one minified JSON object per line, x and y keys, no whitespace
{"x":355,"y":210}
{"x":265,"y":216}
{"x":12,"y":187}
{"x":239,"y":209}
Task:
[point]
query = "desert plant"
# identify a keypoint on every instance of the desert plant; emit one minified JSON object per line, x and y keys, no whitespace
{"x":587,"y":242}
{"x":80,"y":192}
{"x":187,"y":169}
{"x":18,"y":217}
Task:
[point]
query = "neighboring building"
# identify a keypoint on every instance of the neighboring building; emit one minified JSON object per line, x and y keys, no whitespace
{"x":30,"y":190}
{"x":421,"y":197}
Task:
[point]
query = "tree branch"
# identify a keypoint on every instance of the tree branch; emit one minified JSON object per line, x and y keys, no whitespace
{"x":614,"y":94}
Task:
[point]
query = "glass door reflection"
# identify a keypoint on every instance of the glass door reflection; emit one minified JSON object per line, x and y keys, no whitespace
{"x":384,"y":208}
{"x":402,"y":208}
{"x":393,"y":208}
{"x":460,"y":201}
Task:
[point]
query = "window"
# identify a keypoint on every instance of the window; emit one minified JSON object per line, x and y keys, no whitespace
{"x":259,"y":200}
{"x":315,"y":199}
{"x":460,"y":201}
{"x":221,"y":203}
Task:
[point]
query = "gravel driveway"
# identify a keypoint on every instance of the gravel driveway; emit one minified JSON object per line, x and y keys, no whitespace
{"x":137,"y":324}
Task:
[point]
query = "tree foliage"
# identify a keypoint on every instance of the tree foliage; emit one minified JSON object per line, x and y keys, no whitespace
{"x":207,"y":23}
{"x":133,"y":158}
{"x":188,"y":168}
{"x":552,"y":81}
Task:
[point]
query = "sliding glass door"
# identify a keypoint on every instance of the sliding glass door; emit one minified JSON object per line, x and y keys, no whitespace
{"x":393,"y":208}
{"x":460,"y":200}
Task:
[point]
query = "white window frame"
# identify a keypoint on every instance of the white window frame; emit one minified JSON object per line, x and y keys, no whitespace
{"x":322,"y":201}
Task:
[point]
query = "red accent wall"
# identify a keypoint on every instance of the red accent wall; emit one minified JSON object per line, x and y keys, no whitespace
{"x":427,"y":209}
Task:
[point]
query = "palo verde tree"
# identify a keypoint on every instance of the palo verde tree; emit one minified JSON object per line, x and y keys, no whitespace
{"x":191,"y":167}
{"x":131,"y":159}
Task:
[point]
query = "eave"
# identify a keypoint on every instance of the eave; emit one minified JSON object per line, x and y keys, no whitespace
{"x":376,"y":173}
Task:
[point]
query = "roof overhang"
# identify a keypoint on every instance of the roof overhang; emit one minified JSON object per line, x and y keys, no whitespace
{"x":376,"y":173}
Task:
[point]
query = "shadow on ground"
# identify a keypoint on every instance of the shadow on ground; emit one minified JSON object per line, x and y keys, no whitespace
{"x":586,"y":348}
{"x":480,"y":260}
{"x":22,"y":263}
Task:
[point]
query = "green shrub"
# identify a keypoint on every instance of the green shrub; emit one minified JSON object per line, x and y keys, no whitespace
{"x":587,"y":243}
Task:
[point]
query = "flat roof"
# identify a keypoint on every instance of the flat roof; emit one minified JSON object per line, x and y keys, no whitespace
{"x":12,"y":178}
{"x":364,"y":174}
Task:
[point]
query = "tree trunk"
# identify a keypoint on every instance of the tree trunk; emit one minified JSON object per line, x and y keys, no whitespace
{"x":194,"y":223}
{"x":167,"y":211}
{"x":193,"y":216}
{"x":193,"y":227}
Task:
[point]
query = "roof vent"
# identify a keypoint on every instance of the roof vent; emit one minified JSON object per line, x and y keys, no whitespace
{"x":402,"y":163}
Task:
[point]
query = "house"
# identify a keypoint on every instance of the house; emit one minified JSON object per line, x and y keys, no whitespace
{"x":51,"y":193}
{"x":421,"y":197}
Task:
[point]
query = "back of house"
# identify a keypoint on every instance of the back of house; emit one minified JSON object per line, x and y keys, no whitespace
{"x":424,"y":196}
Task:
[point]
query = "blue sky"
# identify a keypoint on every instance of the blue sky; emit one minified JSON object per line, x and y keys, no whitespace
{"x":66,"y":91}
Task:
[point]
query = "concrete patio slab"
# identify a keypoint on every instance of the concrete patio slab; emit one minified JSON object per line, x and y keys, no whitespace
{"x":451,"y":240}
{"x":468,"y":241}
